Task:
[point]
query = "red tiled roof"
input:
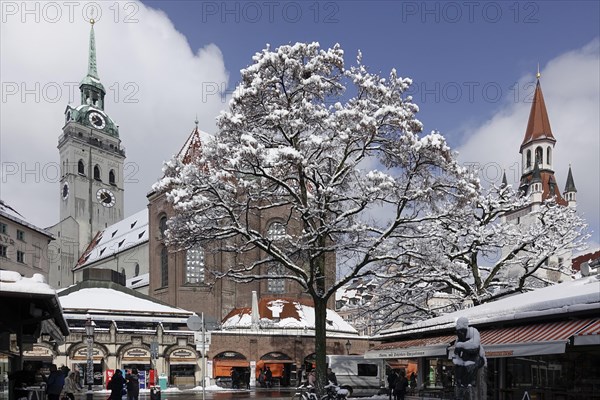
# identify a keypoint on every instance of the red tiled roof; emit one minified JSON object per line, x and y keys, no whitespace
{"x":577,"y":261}
{"x":538,"y":126}
{"x":546,"y":193}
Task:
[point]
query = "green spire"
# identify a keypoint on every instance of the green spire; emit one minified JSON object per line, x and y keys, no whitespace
{"x":90,"y":85}
{"x":92,"y":69}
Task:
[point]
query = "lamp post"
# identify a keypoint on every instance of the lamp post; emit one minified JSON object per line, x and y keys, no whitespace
{"x":348,"y":346}
{"x":89,"y":336}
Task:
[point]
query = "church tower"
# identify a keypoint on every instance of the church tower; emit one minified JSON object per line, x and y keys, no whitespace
{"x":537,"y":154}
{"x":91,"y":186}
{"x":537,"y":174}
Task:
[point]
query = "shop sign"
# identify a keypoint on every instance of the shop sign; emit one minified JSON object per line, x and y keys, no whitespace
{"x":136,"y":353}
{"x":81,"y":354}
{"x":38,"y":351}
{"x":182,"y":355}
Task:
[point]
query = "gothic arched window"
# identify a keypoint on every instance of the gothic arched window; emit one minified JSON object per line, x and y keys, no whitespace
{"x":162,"y":226}
{"x":97,"y":172}
{"x":194,"y":265}
{"x":111,"y":177}
{"x":80,"y":168}
{"x":164,"y":267}
{"x":276,"y":232}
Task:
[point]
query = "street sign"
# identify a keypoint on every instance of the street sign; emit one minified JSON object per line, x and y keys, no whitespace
{"x":194,"y":323}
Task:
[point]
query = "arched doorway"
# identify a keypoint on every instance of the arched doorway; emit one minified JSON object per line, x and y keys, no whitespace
{"x":231,"y":369}
{"x":183,"y":364}
{"x":281,"y":366}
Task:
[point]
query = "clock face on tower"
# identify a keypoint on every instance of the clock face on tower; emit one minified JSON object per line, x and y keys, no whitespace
{"x":106,"y":197}
{"x":65,"y":190}
{"x":97,"y":120}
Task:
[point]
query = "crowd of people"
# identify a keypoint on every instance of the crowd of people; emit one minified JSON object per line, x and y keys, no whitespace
{"x":62,"y":383}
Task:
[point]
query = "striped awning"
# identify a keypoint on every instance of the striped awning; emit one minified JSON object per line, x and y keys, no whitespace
{"x":534,"y":339}
{"x":412,"y":348}
{"x":589,"y":335}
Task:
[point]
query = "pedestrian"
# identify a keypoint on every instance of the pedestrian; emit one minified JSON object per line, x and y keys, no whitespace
{"x":391,"y":379}
{"x":247,"y":378}
{"x":235,"y":379}
{"x":401,"y":385}
{"x":331,"y":377}
{"x":70,"y":387}
{"x":54,"y":383}
{"x":116,"y":386}
{"x":269,"y":377}
{"x":133,"y":384}
{"x":261,"y":378}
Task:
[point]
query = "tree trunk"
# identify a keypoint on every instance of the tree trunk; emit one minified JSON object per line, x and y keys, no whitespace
{"x":320,"y":342}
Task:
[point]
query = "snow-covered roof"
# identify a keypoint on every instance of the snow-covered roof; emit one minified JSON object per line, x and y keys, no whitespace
{"x":99,"y":300}
{"x":123,"y":235}
{"x":281,"y":313}
{"x":13,"y":282}
{"x":10,"y":213}
{"x":563,"y":298}
{"x":138,"y":281}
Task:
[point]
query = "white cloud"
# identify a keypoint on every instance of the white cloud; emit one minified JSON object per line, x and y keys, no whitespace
{"x":154,"y":84}
{"x":571,"y":87}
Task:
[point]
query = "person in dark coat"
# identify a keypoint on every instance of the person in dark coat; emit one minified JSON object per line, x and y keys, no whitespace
{"x":54,"y":383}
{"x":401,"y":385}
{"x":391,"y":379}
{"x":133,"y":384}
{"x":116,"y":386}
{"x":269,"y":377}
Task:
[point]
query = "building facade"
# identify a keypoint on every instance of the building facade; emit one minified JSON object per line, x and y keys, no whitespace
{"x":184,"y":279}
{"x":128,"y":325}
{"x":540,"y":344}
{"x":23,"y":246}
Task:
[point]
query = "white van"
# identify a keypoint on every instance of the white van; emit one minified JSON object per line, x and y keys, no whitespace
{"x":362,"y":377}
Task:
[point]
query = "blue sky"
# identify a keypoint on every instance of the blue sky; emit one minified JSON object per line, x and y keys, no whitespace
{"x":441,"y":45}
{"x":473,"y":64}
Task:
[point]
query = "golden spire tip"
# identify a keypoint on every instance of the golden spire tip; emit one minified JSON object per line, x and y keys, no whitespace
{"x":538,"y":72}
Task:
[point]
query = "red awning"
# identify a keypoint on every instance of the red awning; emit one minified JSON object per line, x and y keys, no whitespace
{"x":527,"y":340}
{"x":412,"y":348}
{"x":589,"y":335}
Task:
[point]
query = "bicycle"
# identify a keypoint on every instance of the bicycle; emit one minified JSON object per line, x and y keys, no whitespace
{"x":334,"y":392}
{"x":305,"y":392}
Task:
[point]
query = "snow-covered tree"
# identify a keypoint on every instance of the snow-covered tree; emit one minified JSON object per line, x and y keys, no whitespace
{"x":325,"y":147}
{"x":480,"y":255}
